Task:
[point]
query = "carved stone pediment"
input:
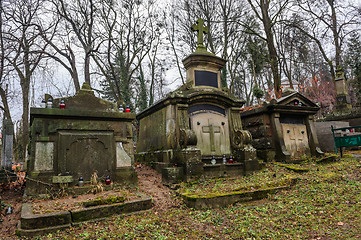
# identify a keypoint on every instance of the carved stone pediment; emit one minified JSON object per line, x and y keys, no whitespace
{"x":295,"y":99}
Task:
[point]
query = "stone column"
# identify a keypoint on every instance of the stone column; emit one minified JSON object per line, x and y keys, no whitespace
{"x":7,"y":144}
{"x":279,"y":143}
{"x":343,"y":102}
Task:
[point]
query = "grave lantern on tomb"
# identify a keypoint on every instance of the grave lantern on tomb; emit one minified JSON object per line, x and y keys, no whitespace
{"x":62,"y":104}
{"x":197,"y":121}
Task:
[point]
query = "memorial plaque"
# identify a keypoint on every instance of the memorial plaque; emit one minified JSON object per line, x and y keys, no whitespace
{"x":205,"y":78}
{"x":291,"y":119}
{"x":44,"y":155}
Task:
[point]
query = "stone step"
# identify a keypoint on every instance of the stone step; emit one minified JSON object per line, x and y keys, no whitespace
{"x":223,"y":170}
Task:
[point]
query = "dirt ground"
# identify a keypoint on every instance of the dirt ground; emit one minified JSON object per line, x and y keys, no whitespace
{"x":11,"y":197}
{"x":149,"y":181}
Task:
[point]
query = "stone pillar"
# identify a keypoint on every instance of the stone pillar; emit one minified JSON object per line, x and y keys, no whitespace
{"x":281,"y":152}
{"x":7,"y":144}
{"x":343,"y":102}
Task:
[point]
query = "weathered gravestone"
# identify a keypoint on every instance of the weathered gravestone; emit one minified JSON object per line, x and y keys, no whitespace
{"x":7,"y":144}
{"x":284,"y":128}
{"x":195,"y":123}
{"x":6,"y":175}
{"x":89,"y":136}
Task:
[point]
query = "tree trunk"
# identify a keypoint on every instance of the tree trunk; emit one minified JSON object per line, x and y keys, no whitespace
{"x":267,"y":24}
{"x":335,"y":33}
{"x":25,"y":117}
{"x":74,"y":73}
{"x":3,"y":94}
{"x":87,"y":68}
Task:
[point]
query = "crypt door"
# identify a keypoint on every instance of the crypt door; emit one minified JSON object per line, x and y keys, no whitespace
{"x":210,"y":124}
{"x":295,"y":136}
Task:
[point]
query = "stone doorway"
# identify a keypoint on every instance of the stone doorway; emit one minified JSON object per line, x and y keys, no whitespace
{"x":83,"y":153}
{"x":296,"y":139}
{"x":212,"y":132}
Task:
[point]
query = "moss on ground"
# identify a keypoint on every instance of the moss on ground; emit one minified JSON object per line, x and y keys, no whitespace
{"x":325,"y":204}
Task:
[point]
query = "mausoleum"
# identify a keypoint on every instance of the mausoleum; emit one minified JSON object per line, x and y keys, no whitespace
{"x":196,"y":129}
{"x":88,"y":136}
{"x":283,"y":129}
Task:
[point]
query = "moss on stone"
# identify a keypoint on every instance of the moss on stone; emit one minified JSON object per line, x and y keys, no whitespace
{"x":103,"y":201}
{"x":293,"y":167}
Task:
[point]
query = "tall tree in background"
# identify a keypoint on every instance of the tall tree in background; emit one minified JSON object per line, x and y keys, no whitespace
{"x":268,"y":14}
{"x":129,"y":29}
{"x":26,"y":49}
{"x":80,"y":17}
{"x":353,"y":60}
{"x":3,"y":68}
{"x":327,"y":22}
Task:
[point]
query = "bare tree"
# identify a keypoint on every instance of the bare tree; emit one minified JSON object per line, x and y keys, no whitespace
{"x":3,"y":72}
{"x":26,"y":50}
{"x":268,"y":14}
{"x":129,"y":32}
{"x":327,"y":22}
{"x":80,"y":18}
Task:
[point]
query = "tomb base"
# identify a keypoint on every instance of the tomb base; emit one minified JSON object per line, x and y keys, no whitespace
{"x":172,"y":175}
{"x":267,"y":155}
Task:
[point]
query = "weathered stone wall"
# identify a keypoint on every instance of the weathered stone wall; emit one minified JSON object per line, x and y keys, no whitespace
{"x":157,"y":130}
{"x":324,"y":134}
{"x":260,"y":128}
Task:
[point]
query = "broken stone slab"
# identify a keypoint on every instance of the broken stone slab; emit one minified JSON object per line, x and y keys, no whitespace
{"x":99,"y":212}
{"x":37,"y":224}
{"x":219,"y":200}
{"x":32,"y":225}
{"x":223,"y":200}
{"x":328,"y":159}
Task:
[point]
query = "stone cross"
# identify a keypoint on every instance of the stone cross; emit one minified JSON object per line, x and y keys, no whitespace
{"x":200,"y":29}
{"x":211,"y":130}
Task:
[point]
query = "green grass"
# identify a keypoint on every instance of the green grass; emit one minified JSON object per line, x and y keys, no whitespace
{"x":324,"y":204}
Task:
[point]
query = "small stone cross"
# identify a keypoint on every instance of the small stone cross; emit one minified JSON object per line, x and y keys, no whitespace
{"x":200,"y":29}
{"x":211,"y":129}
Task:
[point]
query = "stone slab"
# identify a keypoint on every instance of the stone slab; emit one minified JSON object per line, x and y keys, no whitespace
{"x":99,"y":212}
{"x":324,"y":134}
{"x":62,"y":179}
{"x":36,"y":224}
{"x":123,"y":159}
{"x":44,"y":155}
{"x":223,"y":200}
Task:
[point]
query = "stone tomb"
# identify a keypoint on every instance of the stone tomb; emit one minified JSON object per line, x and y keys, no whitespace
{"x":284,"y":128}
{"x":90,"y":135}
{"x":194,"y":123}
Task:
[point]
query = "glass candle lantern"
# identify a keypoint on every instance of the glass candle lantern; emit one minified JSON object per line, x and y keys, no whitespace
{"x":127,"y":109}
{"x":49,"y":103}
{"x":230,"y":160}
{"x":81,"y":181}
{"x":62,"y":104}
{"x":107,"y":180}
{"x":213,"y":161}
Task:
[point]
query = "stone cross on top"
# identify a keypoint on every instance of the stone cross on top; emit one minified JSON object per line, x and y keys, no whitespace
{"x":200,"y":29}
